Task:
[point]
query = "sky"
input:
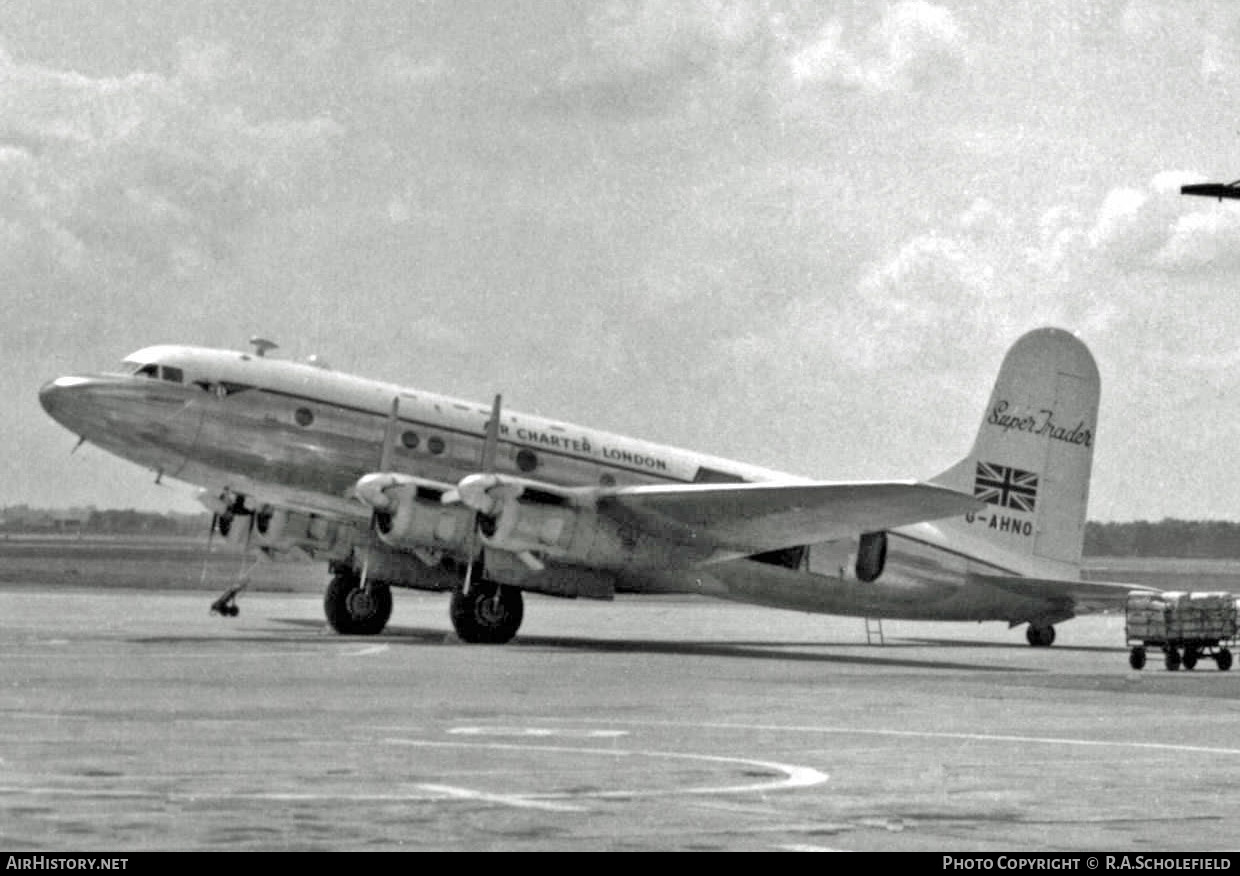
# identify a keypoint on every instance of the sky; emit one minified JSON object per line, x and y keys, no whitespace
{"x":797,"y":234}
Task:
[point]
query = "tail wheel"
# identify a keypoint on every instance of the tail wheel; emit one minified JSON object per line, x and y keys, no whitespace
{"x":352,"y":611}
{"x":1040,"y":636}
{"x":489,"y":614}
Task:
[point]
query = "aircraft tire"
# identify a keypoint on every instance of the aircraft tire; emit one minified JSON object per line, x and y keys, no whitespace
{"x":352,"y":613}
{"x":1040,"y":636}
{"x":490,"y":614}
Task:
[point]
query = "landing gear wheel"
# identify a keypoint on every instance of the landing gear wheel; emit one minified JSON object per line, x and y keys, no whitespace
{"x":1190,"y":658}
{"x":352,"y":611}
{"x":1136,"y":658}
{"x":1040,"y":636}
{"x":1223,"y":659}
{"x":490,"y":614}
{"x":1173,"y":659}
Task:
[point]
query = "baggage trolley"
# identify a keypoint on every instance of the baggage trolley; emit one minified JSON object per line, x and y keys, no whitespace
{"x":1185,"y":626}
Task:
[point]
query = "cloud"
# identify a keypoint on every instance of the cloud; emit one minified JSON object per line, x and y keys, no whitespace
{"x":915,"y":43}
{"x":1158,"y":228}
{"x":398,"y":68}
{"x":146,"y":173}
{"x":663,"y":57}
{"x":1209,"y":32}
{"x":650,"y":56}
{"x":948,"y":300}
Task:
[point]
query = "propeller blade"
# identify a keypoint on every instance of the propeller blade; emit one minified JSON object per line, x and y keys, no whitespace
{"x":490,"y":448}
{"x":215,"y":519}
{"x":389,"y":435}
{"x":385,"y":463}
{"x":490,"y":444}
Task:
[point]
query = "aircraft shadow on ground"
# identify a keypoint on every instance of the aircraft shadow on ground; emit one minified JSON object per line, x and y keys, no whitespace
{"x":877,"y":655}
{"x":958,"y":643}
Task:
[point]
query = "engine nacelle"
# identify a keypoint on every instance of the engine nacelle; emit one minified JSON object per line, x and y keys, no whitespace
{"x":279,"y":529}
{"x":422,"y":521}
{"x":554,"y":527}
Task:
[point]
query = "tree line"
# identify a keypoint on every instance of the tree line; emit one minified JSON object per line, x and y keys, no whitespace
{"x":1205,"y":539}
{"x":127,"y":521}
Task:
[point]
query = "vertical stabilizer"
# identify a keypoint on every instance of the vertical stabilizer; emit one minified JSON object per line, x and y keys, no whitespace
{"x":1033,"y":454}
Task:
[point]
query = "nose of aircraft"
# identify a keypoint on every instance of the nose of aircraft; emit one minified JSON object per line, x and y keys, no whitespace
{"x":57,"y":395}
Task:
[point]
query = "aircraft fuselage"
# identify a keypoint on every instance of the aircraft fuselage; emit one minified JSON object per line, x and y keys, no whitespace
{"x":301,"y":436}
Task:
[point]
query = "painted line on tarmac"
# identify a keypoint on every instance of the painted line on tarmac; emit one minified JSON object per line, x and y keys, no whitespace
{"x":929,"y":734}
{"x":536,"y":731}
{"x":793,"y":776}
{"x":520,"y":801}
{"x":428,"y":793}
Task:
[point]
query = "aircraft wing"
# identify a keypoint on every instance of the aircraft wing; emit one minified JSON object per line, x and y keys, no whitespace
{"x":741,"y":519}
{"x":1075,"y":597}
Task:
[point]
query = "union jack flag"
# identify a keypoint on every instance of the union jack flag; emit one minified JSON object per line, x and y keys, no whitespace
{"x":1007,"y":487}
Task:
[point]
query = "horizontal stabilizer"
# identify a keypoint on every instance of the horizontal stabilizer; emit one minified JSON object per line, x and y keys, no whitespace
{"x":1080,"y":597}
{"x":751,"y":518}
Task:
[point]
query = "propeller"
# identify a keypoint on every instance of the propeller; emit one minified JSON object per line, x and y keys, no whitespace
{"x":490,"y":446}
{"x":385,"y":463}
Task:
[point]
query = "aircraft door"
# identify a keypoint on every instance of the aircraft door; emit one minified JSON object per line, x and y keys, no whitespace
{"x":832,"y":559}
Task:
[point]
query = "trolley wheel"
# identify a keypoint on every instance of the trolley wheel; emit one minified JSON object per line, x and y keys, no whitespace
{"x":1190,"y":658}
{"x":1223,"y":659}
{"x":1173,"y":659}
{"x":1136,"y":658}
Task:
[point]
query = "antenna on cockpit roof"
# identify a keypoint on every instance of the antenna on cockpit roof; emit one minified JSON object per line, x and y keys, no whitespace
{"x":262,"y":345}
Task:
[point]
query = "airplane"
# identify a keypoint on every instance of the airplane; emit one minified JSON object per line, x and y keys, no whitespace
{"x":1213,"y":190}
{"x":396,"y":487}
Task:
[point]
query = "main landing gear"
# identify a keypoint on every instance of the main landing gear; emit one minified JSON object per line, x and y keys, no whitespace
{"x":354,"y":610}
{"x":1040,"y":635}
{"x":488,"y":614}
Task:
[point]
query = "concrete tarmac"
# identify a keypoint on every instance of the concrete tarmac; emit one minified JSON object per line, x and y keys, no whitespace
{"x":136,"y":721}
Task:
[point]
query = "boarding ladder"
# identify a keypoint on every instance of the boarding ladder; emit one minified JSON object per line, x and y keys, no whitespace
{"x":874,"y":631}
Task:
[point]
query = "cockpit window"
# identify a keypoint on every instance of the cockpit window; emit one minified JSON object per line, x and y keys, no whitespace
{"x":154,"y":371}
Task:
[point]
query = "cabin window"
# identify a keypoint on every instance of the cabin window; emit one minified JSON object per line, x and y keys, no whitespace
{"x":409,"y":439}
{"x":176,"y":375}
{"x":527,"y":460}
{"x":151,"y":370}
{"x":304,"y":416}
{"x":435,"y":445}
{"x":607,"y":479}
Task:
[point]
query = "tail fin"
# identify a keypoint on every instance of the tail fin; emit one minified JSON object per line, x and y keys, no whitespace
{"x":1032,"y":457}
